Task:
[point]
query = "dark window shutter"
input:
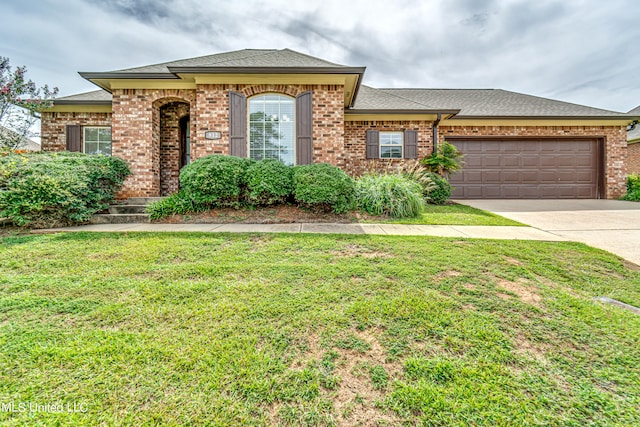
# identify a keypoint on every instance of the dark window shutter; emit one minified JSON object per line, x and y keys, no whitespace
{"x":410,"y":144}
{"x":74,"y":138}
{"x":304,"y":129}
{"x":237,"y":124}
{"x":373,"y":144}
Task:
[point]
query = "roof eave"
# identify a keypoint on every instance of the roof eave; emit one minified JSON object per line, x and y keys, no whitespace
{"x":267,"y":70}
{"x":381,"y":111}
{"x":117,"y":75}
{"x":485,"y":117}
{"x":80,"y":102}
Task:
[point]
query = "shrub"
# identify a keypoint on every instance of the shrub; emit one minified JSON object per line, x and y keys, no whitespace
{"x":176,"y":204}
{"x":323,"y":187}
{"x":633,"y":188}
{"x":445,"y":161}
{"x":393,"y":195}
{"x":54,"y":189}
{"x":215,"y":180}
{"x":438,"y":191}
{"x":269,"y":181}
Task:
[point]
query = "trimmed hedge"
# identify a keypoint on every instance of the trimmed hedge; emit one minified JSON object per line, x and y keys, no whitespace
{"x":439,"y":191}
{"x":633,"y":188}
{"x":393,"y":195}
{"x":323,"y":187}
{"x":55,"y":189}
{"x":215,"y":180}
{"x":269,"y":182}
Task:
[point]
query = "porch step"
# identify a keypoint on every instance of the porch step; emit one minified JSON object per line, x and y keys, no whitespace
{"x":125,"y":212}
{"x":118,"y":218}
{"x":127,"y":209}
{"x":140,"y":200}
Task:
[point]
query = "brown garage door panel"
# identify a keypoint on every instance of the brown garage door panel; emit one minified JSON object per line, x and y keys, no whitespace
{"x":527,"y":169}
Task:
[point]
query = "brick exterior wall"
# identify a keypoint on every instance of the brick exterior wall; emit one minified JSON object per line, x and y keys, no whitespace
{"x":633,"y":158}
{"x":53,"y":133}
{"x":355,"y":139}
{"x":212,"y":111}
{"x":136,"y":135}
{"x":145,"y":133}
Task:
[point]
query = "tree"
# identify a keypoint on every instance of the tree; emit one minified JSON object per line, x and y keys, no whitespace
{"x":20,"y":104}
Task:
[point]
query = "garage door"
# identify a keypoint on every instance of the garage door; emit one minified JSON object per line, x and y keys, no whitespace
{"x":527,"y":169}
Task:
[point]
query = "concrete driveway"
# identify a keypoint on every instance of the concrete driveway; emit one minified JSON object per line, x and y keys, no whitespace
{"x":612,"y":225}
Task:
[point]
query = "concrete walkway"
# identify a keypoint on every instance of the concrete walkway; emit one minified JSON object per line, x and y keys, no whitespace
{"x":481,"y":232}
{"x":612,"y":225}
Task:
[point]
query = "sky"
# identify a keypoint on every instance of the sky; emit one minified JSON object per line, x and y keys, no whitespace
{"x":581,"y":51}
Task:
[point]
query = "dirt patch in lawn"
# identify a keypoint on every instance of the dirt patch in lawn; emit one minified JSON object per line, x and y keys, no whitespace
{"x":356,"y":396}
{"x":279,"y":214}
{"x":523,"y":289}
{"x":353,"y":250}
{"x":527,"y":347}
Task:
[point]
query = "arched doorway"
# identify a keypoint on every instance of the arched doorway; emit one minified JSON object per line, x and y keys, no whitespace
{"x":173,"y":135}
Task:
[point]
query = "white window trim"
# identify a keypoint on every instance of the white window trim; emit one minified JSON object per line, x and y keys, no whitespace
{"x":293,"y":119}
{"x":84,"y":129}
{"x":392,"y":145}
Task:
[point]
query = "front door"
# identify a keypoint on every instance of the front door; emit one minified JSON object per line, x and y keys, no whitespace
{"x":185,"y":142}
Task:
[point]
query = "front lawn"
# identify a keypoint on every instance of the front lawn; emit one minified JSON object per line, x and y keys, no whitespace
{"x":219,"y":329}
{"x":455,"y":214}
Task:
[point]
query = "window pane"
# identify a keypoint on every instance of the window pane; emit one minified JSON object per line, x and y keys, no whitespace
{"x":104,"y":148}
{"x":90,"y":147}
{"x":104,"y":134}
{"x":91,"y":134}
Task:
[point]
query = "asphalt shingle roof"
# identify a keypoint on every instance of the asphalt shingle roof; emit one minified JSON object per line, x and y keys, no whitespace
{"x":241,"y":58}
{"x":375,"y":99}
{"x":86,"y":97}
{"x":498,"y":103}
{"x":469,"y":102}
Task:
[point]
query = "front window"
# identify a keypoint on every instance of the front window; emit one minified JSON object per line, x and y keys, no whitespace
{"x":272,"y":128}
{"x":97,"y":140}
{"x":391,"y":145}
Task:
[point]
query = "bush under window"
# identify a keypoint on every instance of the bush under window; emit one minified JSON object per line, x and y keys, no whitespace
{"x":269,"y":181}
{"x":57,"y":189}
{"x":215,"y":180}
{"x":323,"y":187}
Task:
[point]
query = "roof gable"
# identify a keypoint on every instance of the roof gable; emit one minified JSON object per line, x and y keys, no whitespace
{"x":246,"y":58}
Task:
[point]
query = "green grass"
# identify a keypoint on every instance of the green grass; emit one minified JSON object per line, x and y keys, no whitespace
{"x":455,"y":214}
{"x":218,"y":329}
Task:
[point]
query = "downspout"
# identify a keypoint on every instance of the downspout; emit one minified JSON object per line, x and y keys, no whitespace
{"x":435,"y":132}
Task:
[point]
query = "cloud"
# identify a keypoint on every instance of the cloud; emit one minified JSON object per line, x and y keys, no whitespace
{"x":576,"y":51}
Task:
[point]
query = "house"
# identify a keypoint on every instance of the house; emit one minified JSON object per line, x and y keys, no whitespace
{"x":633,"y":147}
{"x":302,"y":109}
{"x":18,"y":141}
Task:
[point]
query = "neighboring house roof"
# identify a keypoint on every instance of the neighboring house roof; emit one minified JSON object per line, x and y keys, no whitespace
{"x":633,"y":135}
{"x":24,"y":144}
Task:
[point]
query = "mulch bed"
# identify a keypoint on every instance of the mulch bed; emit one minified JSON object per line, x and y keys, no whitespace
{"x":280,"y":214}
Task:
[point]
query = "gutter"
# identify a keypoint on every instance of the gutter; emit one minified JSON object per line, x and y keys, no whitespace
{"x":435,"y":133}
